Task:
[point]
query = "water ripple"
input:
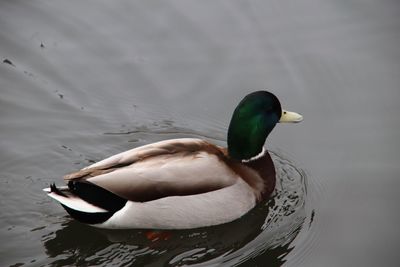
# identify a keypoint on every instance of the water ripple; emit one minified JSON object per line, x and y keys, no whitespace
{"x":265,"y":234}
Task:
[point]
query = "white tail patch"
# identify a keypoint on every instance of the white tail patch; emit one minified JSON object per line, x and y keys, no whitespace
{"x":47,"y":190}
{"x":74,"y":202}
{"x":61,"y":188}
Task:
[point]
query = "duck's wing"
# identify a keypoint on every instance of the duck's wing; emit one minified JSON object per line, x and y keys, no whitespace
{"x":167,"y":168}
{"x":129,"y":157}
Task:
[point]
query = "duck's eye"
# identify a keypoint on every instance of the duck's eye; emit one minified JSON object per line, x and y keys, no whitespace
{"x":284,"y":112}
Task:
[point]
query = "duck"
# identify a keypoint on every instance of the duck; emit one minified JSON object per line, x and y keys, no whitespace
{"x":182,"y":183}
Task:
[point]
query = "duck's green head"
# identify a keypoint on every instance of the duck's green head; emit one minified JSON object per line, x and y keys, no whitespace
{"x":252,"y":121}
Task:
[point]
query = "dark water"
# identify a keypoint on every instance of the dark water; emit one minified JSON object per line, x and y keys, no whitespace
{"x":80,"y":81}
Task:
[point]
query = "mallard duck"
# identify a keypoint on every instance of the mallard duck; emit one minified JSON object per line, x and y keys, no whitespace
{"x":181,"y":183}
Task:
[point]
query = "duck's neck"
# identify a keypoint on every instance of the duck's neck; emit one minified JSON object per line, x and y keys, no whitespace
{"x":262,"y":154}
{"x":264,"y":166}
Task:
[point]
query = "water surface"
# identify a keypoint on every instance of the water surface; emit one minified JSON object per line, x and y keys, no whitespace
{"x":80,"y":81}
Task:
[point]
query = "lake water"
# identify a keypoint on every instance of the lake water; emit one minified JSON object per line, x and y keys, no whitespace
{"x":82,"y":80}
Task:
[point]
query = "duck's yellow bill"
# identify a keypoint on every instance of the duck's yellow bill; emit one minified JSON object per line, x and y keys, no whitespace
{"x":289,"y":116}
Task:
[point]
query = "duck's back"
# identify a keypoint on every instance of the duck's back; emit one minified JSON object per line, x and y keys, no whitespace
{"x":168,"y":168}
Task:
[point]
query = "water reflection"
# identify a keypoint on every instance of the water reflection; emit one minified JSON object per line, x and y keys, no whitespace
{"x":264,"y":235}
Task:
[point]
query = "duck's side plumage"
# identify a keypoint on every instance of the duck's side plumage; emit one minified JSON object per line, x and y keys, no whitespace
{"x":189,"y":211}
{"x":181,"y":179}
{"x":166,"y":168}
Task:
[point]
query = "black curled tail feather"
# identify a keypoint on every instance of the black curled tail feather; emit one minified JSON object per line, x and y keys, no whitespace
{"x":54,"y":189}
{"x":97,"y":195}
{"x":94,"y":195}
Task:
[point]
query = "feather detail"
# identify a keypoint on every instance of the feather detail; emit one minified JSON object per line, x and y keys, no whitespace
{"x":169,"y":168}
{"x":168,"y":147}
{"x":76,"y":203}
